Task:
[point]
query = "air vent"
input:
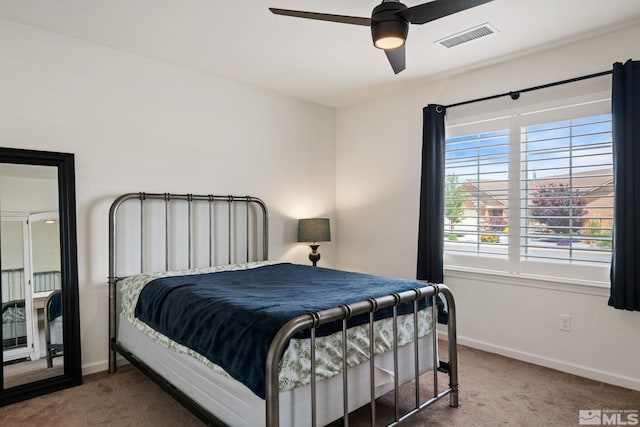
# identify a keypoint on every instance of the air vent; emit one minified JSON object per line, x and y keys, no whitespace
{"x":468,"y":35}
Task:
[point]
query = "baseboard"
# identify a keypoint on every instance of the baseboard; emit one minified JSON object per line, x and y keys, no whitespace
{"x":94,"y":368}
{"x":102,"y":365}
{"x":559,"y":365}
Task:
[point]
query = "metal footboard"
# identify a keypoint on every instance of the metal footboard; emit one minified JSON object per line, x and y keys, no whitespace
{"x":343,"y":313}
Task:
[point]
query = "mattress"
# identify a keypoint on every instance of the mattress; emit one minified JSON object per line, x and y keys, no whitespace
{"x":233,"y":403}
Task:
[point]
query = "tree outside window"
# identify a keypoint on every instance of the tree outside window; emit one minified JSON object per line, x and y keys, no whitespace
{"x":453,"y":200}
{"x":559,"y":208}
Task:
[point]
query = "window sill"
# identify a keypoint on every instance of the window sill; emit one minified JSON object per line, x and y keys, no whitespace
{"x":529,"y":280}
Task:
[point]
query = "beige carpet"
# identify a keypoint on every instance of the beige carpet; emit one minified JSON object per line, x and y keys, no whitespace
{"x":494,"y":391}
{"x":29,"y":371}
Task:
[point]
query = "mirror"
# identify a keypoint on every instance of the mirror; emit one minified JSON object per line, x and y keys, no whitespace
{"x":40,"y":332}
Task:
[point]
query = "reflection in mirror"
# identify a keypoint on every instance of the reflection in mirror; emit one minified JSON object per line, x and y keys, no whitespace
{"x":32,"y":347}
{"x":38,"y":259}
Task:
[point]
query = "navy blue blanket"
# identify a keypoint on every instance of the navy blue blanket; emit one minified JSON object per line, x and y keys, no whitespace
{"x":231,"y":317}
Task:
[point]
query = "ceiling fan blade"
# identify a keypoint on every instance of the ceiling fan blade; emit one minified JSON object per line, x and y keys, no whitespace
{"x":437,"y":9}
{"x":343,"y":19}
{"x":396,"y":58}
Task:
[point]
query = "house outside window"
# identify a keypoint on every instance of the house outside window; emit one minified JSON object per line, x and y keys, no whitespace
{"x":531,"y":192}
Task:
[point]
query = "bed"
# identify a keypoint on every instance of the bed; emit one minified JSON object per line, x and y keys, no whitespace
{"x":14,"y":325}
{"x":272,"y":353}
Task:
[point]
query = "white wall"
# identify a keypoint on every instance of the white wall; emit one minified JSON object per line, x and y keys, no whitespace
{"x":28,"y":195}
{"x":45,"y":246}
{"x":378,"y":176}
{"x":136,"y":124}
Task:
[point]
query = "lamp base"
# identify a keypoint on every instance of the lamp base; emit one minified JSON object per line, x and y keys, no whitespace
{"x":314,"y":256}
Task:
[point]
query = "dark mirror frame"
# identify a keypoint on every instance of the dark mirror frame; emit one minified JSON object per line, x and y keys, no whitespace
{"x":72,"y":375}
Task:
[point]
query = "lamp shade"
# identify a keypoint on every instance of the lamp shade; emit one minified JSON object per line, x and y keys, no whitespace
{"x":314,"y":230}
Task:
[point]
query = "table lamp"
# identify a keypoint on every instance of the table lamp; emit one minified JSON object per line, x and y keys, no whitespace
{"x":314,"y":230}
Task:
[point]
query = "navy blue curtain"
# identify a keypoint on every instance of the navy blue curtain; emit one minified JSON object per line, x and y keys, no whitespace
{"x":431,"y":222}
{"x":625,"y":109}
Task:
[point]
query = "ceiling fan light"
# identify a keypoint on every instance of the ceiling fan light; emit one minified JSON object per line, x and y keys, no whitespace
{"x":389,"y":43}
{"x":389,"y":34}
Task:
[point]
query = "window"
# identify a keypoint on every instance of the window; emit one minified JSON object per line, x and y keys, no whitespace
{"x":531,"y":189}
{"x":476,"y":193}
{"x":567,"y":206}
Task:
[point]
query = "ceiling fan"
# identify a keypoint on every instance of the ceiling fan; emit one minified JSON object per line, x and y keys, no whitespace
{"x":390,"y":21}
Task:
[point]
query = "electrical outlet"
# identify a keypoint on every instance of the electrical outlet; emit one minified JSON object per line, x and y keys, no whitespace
{"x":565,"y":322}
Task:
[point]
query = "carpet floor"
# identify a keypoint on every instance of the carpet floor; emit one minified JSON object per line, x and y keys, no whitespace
{"x":494,"y":391}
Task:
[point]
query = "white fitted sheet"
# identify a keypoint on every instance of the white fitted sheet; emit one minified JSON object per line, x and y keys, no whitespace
{"x":233,"y":403}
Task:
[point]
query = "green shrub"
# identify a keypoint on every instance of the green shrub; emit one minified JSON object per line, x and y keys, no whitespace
{"x":594,"y":230}
{"x":488,"y":238}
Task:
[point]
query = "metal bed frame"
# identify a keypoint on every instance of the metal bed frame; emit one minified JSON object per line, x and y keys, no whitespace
{"x":309,"y":321}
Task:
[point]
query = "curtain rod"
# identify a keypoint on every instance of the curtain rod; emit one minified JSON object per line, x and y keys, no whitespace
{"x":516,"y":94}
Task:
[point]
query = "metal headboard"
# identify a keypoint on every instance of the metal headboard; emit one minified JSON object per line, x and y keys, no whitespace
{"x":238,"y":222}
{"x":190,"y":200}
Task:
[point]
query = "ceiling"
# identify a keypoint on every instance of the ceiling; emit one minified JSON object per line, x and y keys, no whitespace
{"x":326,"y":63}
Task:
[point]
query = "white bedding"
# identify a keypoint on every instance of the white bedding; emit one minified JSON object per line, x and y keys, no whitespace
{"x":233,"y":403}
{"x":295,"y":367}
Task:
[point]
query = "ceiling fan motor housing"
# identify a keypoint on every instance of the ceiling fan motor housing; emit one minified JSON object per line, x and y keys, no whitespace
{"x":385,"y":21}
